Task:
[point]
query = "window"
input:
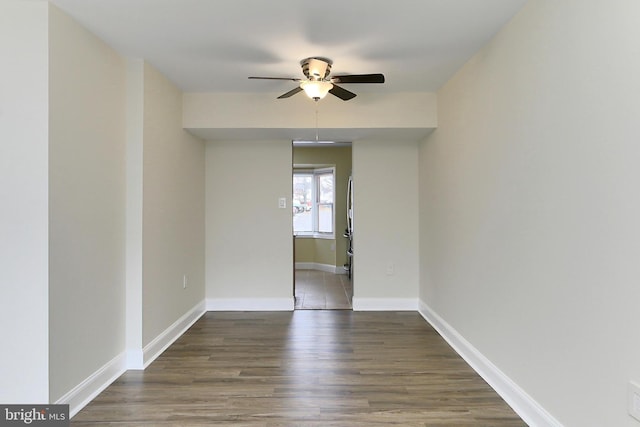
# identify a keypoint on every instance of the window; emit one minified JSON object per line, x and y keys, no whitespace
{"x":313,"y":202}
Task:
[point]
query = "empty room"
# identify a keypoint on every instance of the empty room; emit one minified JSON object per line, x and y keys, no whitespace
{"x":296,"y":213}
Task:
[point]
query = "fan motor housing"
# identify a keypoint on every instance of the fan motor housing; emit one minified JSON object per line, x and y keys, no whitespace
{"x":316,"y":68}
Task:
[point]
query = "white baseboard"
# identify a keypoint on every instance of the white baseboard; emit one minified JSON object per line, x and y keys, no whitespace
{"x":524,"y":405}
{"x":328,"y":268}
{"x":93,"y":385}
{"x":135,"y":359}
{"x":385,"y":304}
{"x":160,"y":343}
{"x":250,"y":304}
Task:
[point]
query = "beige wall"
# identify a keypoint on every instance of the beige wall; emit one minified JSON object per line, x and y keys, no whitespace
{"x":317,"y":251}
{"x":73,"y":131}
{"x":385,"y":176}
{"x":263,"y":111}
{"x":327,"y":251}
{"x":173,"y":209}
{"x":249,"y":248}
{"x":24,"y":281}
{"x":529,"y":206}
{"x":165,"y":215}
{"x":134,"y":175}
{"x":305,"y":250}
{"x":87,"y":202}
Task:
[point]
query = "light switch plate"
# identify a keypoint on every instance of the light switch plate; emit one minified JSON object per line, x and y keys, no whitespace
{"x":282,"y":203}
{"x":634,"y":400}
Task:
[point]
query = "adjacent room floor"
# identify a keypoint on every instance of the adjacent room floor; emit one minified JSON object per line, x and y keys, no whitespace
{"x":319,"y":290}
{"x":314,"y":368}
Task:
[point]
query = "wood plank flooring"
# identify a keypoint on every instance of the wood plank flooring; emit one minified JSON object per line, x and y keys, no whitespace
{"x":303,"y":368}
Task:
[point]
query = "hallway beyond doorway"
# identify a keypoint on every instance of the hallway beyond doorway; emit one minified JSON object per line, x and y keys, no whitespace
{"x":319,"y":290}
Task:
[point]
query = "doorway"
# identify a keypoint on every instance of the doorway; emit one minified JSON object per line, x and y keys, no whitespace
{"x":321,"y":175}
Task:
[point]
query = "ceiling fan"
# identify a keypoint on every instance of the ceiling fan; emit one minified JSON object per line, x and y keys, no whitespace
{"x":318,"y":84}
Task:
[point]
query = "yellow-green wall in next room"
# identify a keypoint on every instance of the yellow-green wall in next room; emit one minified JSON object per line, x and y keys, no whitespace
{"x":327,"y":251}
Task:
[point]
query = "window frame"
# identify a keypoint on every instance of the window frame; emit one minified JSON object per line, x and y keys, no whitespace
{"x":316,"y":173}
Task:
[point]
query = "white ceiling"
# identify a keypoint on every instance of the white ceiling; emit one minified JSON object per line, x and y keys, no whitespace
{"x":214,"y":45}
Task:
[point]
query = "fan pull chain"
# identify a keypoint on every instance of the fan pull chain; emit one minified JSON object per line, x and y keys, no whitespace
{"x":317,"y":121}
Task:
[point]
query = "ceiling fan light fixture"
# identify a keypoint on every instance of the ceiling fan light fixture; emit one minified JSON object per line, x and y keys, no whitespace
{"x":316,"y":89}
{"x":318,"y":83}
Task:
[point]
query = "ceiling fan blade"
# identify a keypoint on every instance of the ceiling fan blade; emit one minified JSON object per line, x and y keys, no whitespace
{"x":359,"y":78}
{"x":341,"y":93}
{"x":276,"y":78}
{"x":290,"y":93}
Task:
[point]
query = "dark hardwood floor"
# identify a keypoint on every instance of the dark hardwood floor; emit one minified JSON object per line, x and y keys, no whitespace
{"x":303,"y":368}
